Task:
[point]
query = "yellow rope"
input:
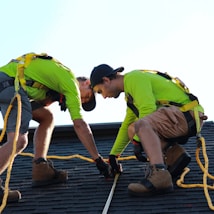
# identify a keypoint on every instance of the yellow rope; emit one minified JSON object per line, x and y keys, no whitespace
{"x":180,"y":182}
{"x":61,"y":157}
{"x":18,"y":122}
{"x":5,"y":121}
{"x":204,"y":168}
{"x":76,"y":156}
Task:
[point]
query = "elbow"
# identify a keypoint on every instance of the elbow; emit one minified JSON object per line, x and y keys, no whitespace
{"x":80,"y":124}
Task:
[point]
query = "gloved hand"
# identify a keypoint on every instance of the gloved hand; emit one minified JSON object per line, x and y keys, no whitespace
{"x":103,"y":167}
{"x":138,"y":149}
{"x":115,"y":167}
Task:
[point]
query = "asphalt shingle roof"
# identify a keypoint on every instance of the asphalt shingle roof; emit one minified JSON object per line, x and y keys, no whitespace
{"x":86,"y":191}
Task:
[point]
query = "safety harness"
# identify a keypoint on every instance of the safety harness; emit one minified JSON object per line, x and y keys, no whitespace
{"x":194,"y":100}
{"x":184,"y":108}
{"x":23,"y":62}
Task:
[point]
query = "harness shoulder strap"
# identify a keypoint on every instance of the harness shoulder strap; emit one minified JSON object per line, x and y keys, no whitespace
{"x":130,"y":104}
{"x":23,"y":62}
{"x":194,"y":100}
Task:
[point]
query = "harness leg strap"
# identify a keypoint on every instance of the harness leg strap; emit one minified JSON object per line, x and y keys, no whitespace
{"x":191,"y":124}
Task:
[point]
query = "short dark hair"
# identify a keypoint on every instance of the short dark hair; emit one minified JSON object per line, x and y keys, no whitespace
{"x":82,"y":78}
{"x":103,"y":70}
{"x":111,"y":77}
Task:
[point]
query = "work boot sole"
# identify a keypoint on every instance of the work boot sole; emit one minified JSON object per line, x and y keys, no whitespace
{"x":179,"y":165}
{"x":151,"y":193}
{"x":59,"y":178}
{"x":13,"y":197}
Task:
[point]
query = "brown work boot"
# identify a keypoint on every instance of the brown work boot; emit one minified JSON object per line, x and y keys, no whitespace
{"x":44,"y":174}
{"x":176,"y":159}
{"x":13,"y":195}
{"x":157,"y":181}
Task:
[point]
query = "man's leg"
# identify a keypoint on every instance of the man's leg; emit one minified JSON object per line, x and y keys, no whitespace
{"x":131,"y":131}
{"x":6,"y":149}
{"x":176,"y":157}
{"x":165,"y":123}
{"x":158,"y":179}
{"x":22,"y":141}
{"x":43,"y":172}
{"x":5,"y":155}
{"x":43,"y":133}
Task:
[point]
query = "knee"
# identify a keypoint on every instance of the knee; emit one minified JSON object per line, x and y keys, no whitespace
{"x":141,"y":125}
{"x":44,"y":116}
{"x":131,"y":131}
{"x":22,"y":143}
{"x":49,"y":118}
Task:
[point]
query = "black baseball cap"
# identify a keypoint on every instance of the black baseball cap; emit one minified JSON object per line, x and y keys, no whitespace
{"x":89,"y":106}
{"x":101,"y":71}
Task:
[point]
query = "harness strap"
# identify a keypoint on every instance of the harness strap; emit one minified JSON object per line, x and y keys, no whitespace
{"x":189,"y":106}
{"x":6,"y":83}
{"x":191,"y":124}
{"x":23,"y":62}
{"x":133,"y":108}
{"x":53,"y":95}
{"x":175,"y":80}
{"x":197,"y":121}
{"x":31,"y":83}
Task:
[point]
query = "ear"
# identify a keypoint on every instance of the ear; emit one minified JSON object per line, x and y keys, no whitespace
{"x":106,"y":80}
{"x":87,"y":82}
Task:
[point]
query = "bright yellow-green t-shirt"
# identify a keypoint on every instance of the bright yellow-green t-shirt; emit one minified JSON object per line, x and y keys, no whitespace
{"x":146,"y":89}
{"x":54,"y":76}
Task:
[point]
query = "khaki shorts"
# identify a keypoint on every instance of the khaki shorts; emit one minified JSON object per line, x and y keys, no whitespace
{"x":168,"y":122}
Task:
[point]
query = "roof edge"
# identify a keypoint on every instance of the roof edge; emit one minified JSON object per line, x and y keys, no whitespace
{"x":100,"y":130}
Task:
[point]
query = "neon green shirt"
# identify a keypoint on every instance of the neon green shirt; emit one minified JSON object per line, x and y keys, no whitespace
{"x":54,"y":76}
{"x":146,"y":89}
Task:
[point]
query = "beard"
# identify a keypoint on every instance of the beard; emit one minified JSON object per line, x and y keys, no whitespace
{"x":117,"y":95}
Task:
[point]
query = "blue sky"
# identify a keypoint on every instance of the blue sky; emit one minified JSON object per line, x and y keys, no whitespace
{"x":174,"y":36}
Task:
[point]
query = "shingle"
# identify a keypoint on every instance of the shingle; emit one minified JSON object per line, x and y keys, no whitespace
{"x":86,"y":191}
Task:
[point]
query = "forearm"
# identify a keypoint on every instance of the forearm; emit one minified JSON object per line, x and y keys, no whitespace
{"x":85,"y":135}
{"x":121,"y":142}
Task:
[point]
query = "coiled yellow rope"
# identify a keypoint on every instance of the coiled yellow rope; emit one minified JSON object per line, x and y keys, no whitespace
{"x":200,"y":143}
{"x":204,"y":168}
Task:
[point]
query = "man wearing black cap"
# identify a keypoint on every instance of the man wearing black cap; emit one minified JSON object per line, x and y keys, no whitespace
{"x":43,"y":80}
{"x":163,"y":118}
